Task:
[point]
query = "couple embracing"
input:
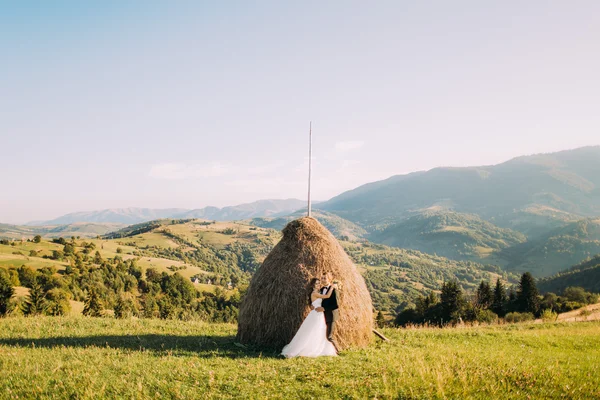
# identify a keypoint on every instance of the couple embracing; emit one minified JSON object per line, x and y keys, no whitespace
{"x":315,"y":336}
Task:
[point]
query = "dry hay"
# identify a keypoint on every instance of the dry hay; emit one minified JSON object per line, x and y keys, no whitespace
{"x":277,"y":300}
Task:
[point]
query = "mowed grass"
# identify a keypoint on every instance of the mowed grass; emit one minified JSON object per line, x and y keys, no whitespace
{"x":70,"y":357}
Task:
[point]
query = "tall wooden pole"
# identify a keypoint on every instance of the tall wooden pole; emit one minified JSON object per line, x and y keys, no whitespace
{"x":309,"y":165}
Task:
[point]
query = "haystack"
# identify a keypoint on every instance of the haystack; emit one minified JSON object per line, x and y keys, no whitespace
{"x":277,"y":300}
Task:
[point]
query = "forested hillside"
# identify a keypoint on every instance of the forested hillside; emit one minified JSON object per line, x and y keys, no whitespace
{"x":524,"y":215}
{"x":585,"y":275}
{"x":219,"y":258}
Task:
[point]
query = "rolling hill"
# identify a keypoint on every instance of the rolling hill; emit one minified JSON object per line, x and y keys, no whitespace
{"x":449,"y":234}
{"x":585,"y":275}
{"x":229,"y":251}
{"x":341,"y":228}
{"x":561,"y":247}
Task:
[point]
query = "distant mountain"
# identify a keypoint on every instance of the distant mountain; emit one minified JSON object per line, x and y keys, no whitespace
{"x":261,"y":208}
{"x":125,"y":216}
{"x":128,"y":216}
{"x":585,"y":275}
{"x":82,"y":229}
{"x":477,"y":213}
{"x":449,"y":234}
{"x":340,"y":227}
{"x":567,"y":181}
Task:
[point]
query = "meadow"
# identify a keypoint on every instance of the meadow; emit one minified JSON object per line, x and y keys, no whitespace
{"x":77,"y":357}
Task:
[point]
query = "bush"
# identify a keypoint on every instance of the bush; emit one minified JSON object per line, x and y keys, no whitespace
{"x":571,"y":305}
{"x":548,"y":315}
{"x":486,"y":316}
{"x":585,"y":312}
{"x":515,"y":317}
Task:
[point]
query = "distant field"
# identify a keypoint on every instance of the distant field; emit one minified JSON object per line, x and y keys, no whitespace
{"x":107,"y":249}
{"x":106,"y":358}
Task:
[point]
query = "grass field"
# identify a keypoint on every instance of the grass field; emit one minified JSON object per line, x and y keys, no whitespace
{"x":70,"y":357}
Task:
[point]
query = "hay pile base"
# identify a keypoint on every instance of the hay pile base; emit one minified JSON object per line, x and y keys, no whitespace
{"x":277,"y":300}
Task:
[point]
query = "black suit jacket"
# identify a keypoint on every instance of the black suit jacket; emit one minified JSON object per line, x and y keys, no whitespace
{"x":331,"y":303}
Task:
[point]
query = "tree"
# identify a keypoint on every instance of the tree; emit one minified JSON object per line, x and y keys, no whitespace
{"x":550,"y":302}
{"x":126,"y":306}
{"x":37,"y":239}
{"x":380,"y":320}
{"x":499,"y":299}
{"x":151,"y":309}
{"x":452,"y":301}
{"x":6,"y":292}
{"x":483,"y":296}
{"x":57,"y":302}
{"x":527,"y":295}
{"x":93,"y":305}
{"x":36,"y":301}
{"x":27,"y":275}
{"x":68,"y":249}
{"x":98,"y":258}
{"x":577,"y":294}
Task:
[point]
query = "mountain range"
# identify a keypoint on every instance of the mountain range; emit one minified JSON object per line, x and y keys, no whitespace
{"x":261,"y":208}
{"x":551,"y":186}
{"x":538,"y":213}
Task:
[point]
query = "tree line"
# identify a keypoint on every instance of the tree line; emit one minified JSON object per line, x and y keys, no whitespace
{"x":488,"y":304}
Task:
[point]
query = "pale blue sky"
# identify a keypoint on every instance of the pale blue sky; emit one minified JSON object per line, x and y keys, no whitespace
{"x":187,"y":104}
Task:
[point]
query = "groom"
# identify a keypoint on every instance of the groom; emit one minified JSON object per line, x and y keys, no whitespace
{"x":329,"y":307}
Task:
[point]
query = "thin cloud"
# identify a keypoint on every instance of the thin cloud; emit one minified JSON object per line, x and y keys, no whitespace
{"x":342,"y":147}
{"x":177,"y":171}
{"x":349,"y":163}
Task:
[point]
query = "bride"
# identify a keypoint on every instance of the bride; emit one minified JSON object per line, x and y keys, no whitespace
{"x":311,"y":338}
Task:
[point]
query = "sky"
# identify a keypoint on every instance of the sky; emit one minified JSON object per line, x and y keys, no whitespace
{"x":163,"y":104}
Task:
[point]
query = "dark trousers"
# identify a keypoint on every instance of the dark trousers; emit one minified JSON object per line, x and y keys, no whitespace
{"x":331,"y":317}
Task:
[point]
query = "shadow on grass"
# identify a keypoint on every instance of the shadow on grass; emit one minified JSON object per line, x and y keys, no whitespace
{"x":199,"y":346}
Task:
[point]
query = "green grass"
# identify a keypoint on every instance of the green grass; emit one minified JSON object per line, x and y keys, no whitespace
{"x":52,"y":357}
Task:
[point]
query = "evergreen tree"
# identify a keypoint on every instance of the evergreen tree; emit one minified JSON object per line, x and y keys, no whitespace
{"x":126,"y":306}
{"x":380,"y":320}
{"x":151,"y":309}
{"x":483,"y":296}
{"x":93,"y":305}
{"x":36,"y":301}
{"x":98,"y":258}
{"x":120,"y":308}
{"x":500,"y":299}
{"x":452,"y":301}
{"x":527,"y":295}
{"x":6,"y":292}
{"x":57,"y":302}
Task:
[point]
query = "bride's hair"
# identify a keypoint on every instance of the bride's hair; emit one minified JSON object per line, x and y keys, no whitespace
{"x":311,"y":287}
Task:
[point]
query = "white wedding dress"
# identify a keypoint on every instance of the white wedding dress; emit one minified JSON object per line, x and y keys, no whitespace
{"x":311,"y":338}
